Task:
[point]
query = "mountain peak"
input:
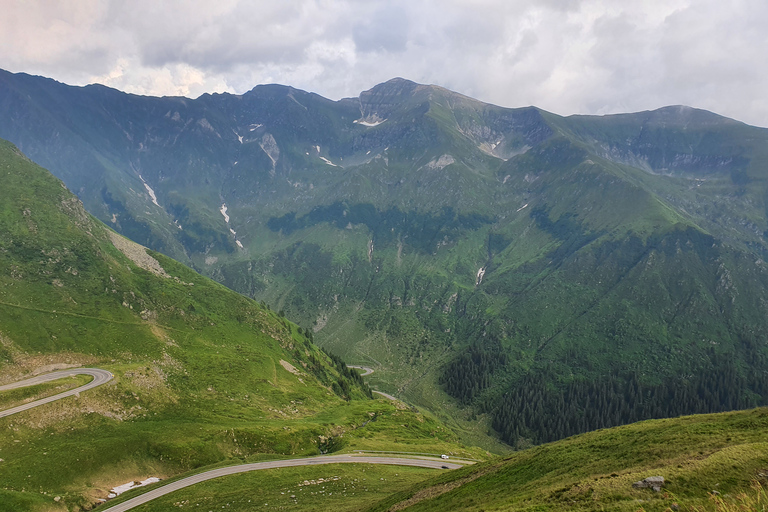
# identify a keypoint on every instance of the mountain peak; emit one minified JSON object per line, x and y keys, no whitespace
{"x":394,"y":85}
{"x":683,"y":114}
{"x":377,"y":103}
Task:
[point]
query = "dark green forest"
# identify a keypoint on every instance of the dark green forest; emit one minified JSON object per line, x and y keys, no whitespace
{"x":535,"y":411}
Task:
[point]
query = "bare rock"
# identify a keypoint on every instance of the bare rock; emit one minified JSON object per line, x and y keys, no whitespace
{"x":653,"y":482}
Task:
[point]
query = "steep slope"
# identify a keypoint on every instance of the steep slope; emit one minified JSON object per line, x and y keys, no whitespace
{"x":202,"y":374}
{"x":470,"y":253}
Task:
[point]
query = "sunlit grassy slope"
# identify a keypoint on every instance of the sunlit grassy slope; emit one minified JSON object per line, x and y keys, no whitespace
{"x":697,"y":455}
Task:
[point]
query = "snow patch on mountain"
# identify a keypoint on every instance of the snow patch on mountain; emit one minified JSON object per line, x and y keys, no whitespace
{"x":479,"y":276}
{"x":223,"y":211}
{"x":149,"y":191}
{"x":120,"y":489}
{"x":369,"y":124}
{"x":328,"y":161}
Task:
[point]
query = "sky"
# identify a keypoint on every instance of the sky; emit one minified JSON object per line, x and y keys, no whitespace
{"x":565,"y":56}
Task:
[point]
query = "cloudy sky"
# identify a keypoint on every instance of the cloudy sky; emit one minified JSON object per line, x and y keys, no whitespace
{"x":566,"y":56}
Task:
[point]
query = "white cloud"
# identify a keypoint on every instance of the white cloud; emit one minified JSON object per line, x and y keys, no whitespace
{"x":586,"y":56}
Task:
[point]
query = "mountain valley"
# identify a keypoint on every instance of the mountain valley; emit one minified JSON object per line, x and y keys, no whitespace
{"x":519,"y":276}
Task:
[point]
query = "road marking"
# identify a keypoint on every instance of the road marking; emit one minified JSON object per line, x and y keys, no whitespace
{"x":99,"y":377}
{"x":244,"y":468}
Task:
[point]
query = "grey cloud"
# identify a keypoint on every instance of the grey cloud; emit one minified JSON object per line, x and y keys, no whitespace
{"x":385,"y":30}
{"x":236,"y":33}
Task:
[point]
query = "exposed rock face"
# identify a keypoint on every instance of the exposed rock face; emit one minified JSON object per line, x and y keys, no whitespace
{"x":654,"y":482}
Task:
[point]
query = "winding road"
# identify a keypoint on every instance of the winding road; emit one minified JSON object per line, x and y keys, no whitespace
{"x":102,"y":376}
{"x":243,"y":468}
{"x":99,"y":377}
{"x":367,"y":371}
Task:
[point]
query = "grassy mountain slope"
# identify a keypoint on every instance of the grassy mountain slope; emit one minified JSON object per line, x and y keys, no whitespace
{"x":697,"y":455}
{"x":202,"y":375}
{"x":460,"y":248}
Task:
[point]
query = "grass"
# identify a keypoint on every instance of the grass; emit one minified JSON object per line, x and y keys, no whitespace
{"x":755,"y":499}
{"x":595,"y":471}
{"x":151,"y":429}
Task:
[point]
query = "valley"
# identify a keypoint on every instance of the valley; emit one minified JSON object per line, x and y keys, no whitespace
{"x":457,"y":248}
{"x":274,"y":279}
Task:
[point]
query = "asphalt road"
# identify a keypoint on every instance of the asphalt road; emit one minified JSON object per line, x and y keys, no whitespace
{"x":385,"y":395}
{"x":99,"y":377}
{"x":243,"y":468}
{"x":366,"y":370}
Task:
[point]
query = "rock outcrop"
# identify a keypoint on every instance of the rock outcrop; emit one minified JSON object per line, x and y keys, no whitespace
{"x":654,"y":482}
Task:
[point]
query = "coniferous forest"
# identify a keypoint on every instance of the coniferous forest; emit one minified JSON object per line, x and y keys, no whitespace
{"x":534,"y":412}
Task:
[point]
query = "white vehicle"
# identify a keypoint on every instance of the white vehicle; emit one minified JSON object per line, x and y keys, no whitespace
{"x":443,"y":456}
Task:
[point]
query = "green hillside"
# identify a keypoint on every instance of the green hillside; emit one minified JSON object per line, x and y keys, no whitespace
{"x":703,"y":459}
{"x":203,"y":375}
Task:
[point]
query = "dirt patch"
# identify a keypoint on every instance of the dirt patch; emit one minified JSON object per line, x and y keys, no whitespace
{"x":137,"y":254}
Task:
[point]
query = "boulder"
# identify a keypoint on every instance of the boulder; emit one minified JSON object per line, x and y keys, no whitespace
{"x":654,"y":482}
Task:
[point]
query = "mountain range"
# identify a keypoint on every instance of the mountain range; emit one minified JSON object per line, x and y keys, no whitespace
{"x":550,"y":274}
